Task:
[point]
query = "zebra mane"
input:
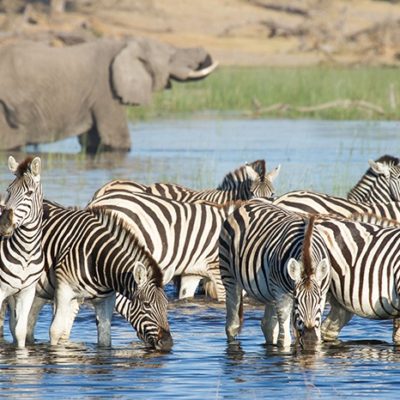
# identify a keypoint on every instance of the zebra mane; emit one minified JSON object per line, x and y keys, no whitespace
{"x":107,"y":216}
{"x":374,"y":219}
{"x":306,"y":253}
{"x":387,"y":159}
{"x":232,"y":177}
{"x":24,"y":166}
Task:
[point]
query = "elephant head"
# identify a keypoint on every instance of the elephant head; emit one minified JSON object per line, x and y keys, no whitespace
{"x":144,"y":66}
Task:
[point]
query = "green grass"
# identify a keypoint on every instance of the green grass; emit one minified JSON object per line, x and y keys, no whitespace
{"x":234,"y":89}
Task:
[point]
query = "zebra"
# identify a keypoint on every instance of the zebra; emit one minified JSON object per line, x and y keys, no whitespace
{"x":365,"y":273}
{"x":277,"y":258}
{"x":318,"y":203}
{"x":380,"y":184}
{"x":21,"y":254}
{"x":248,"y":181}
{"x":90,"y":255}
{"x":182,"y":237}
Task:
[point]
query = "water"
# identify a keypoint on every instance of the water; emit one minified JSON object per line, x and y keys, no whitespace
{"x":324,"y":156}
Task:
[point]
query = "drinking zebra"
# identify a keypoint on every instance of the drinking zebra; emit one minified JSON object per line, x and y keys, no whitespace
{"x":381,"y":182}
{"x":365,"y":272}
{"x":248,"y":181}
{"x":21,"y":255}
{"x":182,"y":237}
{"x":91,"y":255}
{"x":276,"y":257}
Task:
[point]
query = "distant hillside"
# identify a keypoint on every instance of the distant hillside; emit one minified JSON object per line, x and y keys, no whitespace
{"x":236,"y":32}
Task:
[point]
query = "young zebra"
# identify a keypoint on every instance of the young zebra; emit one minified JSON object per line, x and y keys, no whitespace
{"x":182,"y":237}
{"x":21,"y":255}
{"x":380,"y":184}
{"x":276,"y":257}
{"x":365,"y":271}
{"x":248,"y":181}
{"x":91,"y":255}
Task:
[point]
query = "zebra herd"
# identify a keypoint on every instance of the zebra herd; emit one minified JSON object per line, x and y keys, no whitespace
{"x":292,"y":253}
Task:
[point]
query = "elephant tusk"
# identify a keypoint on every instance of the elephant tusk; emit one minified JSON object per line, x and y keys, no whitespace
{"x":202,"y":72}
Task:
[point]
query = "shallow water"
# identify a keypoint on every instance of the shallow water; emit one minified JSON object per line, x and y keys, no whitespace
{"x":319,"y":155}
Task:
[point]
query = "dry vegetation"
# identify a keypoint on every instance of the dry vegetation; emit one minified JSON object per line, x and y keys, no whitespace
{"x":236,"y":32}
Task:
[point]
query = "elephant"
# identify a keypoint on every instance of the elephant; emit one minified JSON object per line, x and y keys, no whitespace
{"x":50,"y":93}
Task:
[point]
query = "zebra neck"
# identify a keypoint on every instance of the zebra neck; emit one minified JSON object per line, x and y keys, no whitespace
{"x":371,"y":189}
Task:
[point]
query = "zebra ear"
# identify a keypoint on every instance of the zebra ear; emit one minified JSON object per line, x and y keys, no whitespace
{"x":139,"y":273}
{"x":12,"y":164}
{"x":274,"y":173}
{"x":36,"y":166}
{"x":379,"y":168}
{"x":295,"y":269}
{"x":251,"y":173}
{"x":322,"y":270}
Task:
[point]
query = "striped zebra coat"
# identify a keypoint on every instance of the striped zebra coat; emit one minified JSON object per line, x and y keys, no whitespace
{"x":248,"y":181}
{"x":21,"y":255}
{"x":380,"y":184}
{"x":318,"y":203}
{"x":365,"y":270}
{"x":182,"y":237}
{"x":91,"y":255}
{"x":278,"y":259}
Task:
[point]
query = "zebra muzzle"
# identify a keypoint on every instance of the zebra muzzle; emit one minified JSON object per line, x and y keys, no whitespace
{"x":309,"y":338}
{"x":164,"y":342}
{"x":6,"y":222}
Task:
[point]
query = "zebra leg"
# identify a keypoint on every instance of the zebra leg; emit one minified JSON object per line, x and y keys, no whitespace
{"x":23,"y":304}
{"x":3,"y":311}
{"x":214,"y":274}
{"x":396,"y":331}
{"x":337,"y":318}
{"x":75,"y":305}
{"x":188,"y":286}
{"x":63,"y":311}
{"x":234,"y":311}
{"x":37,"y":306}
{"x":284,"y":308}
{"x":104,"y":310}
{"x":269,"y":325}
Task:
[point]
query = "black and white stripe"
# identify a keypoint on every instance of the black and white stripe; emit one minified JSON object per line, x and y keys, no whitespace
{"x":278,"y":259}
{"x":182,"y":237}
{"x":365,"y":270}
{"x":91,"y":255}
{"x":21,"y":256}
{"x":318,"y":203}
{"x":380,"y":184}
{"x":248,"y":181}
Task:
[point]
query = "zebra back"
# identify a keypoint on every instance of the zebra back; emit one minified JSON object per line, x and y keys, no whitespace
{"x":381,"y":182}
{"x":21,"y":261}
{"x":318,"y":203}
{"x":182,"y":237}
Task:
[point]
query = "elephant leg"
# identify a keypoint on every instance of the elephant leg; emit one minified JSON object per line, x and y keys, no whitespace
{"x":110,"y":129}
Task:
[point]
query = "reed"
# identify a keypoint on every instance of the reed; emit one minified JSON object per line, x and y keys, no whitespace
{"x":237,"y":89}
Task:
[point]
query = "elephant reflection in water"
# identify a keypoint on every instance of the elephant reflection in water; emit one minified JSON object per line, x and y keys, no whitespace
{"x":48,"y":93}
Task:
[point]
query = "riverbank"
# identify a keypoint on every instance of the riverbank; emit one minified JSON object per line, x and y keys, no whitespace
{"x":343,"y":93}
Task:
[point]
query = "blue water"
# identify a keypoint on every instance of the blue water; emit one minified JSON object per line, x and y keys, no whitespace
{"x":319,"y":155}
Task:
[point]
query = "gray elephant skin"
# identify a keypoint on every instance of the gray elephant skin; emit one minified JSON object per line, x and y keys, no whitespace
{"x":49,"y":93}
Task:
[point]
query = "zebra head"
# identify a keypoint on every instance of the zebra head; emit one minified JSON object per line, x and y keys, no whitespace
{"x":261,"y":183}
{"x":148,"y":312}
{"x":309,"y":300}
{"x":387,"y":169}
{"x":22,"y":205}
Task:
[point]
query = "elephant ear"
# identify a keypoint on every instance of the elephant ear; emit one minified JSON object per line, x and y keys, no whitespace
{"x":131,"y":77}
